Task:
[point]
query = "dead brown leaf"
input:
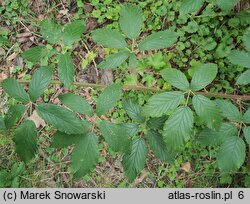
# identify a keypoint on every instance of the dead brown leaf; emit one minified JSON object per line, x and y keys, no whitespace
{"x":37,"y":119}
{"x":186,"y":167}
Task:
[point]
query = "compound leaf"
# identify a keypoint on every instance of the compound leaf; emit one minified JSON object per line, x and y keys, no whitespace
{"x":76,"y":103}
{"x":176,"y":78}
{"x":116,"y":136}
{"x":35,"y":54}
{"x":134,"y":162}
{"x":133,"y":110}
{"x":208,"y":111}
{"x":85,"y":155}
{"x":66,"y":69}
{"x":40,"y":82}
{"x":231,"y":155}
{"x":13,"y":115}
{"x":25,"y":138}
{"x":131,"y":21}
{"x":15,"y":90}
{"x":108,"y":99}
{"x":109,"y":38}
{"x":61,"y":118}
{"x":114,"y":60}
{"x":203,"y":76}
{"x":178,"y":128}
{"x":158,"y":40}
{"x":51,"y":31}
{"x":63,"y":140}
{"x":158,"y":146}
{"x":160,"y":104}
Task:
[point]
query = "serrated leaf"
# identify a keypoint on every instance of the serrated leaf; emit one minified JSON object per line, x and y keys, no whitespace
{"x":131,"y":128}
{"x":133,"y":110}
{"x":40,"y":82}
{"x":227,"y":5}
{"x":108,"y":99}
{"x":176,"y":78}
{"x":244,"y":78}
{"x":246,"y":131}
{"x":158,"y":40}
{"x":5,"y":179}
{"x":246,"y":116}
{"x":178,"y":128}
{"x":13,"y":115}
{"x":66,"y":69}
{"x":109,"y":38}
{"x":203,"y":76}
{"x":73,"y":32}
{"x":229,"y":110}
{"x":158,"y":146}
{"x":132,"y":61}
{"x":131,"y":21}
{"x":208,"y":111}
{"x":160,"y":104}
{"x":63,"y":140}
{"x":134,"y":162}
{"x":190,"y":6}
{"x":25,"y":138}
{"x":85,"y":155}
{"x":62,"y":119}
{"x":51,"y":31}
{"x":15,"y":90}
{"x":116,"y":137}
{"x":157,"y":123}
{"x":76,"y":103}
{"x":2,"y":124}
{"x":240,"y":58}
{"x":231,"y":155}
{"x":210,"y":137}
{"x":246,"y":39}
{"x":114,"y":60}
{"x":35,"y":54}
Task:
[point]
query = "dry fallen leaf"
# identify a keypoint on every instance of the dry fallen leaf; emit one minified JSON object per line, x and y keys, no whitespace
{"x":37,"y":119}
{"x":186,"y":167}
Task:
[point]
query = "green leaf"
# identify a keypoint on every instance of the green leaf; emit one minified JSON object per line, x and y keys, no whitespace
{"x":178,"y":128}
{"x":246,"y":116}
{"x":210,"y":137}
{"x":246,"y":131}
{"x":208,"y":111}
{"x":116,"y":136}
{"x":133,"y":110}
{"x":240,"y":58}
{"x":158,"y":146}
{"x":246,"y":39}
{"x":176,"y":78}
{"x":131,"y":21}
{"x":13,"y":115}
{"x":190,"y":6}
{"x":35,"y":54}
{"x":244,"y":78}
{"x":51,"y":31}
{"x":134,"y":162}
{"x":157,"y":123}
{"x":132,"y":61}
{"x":231,"y":155}
{"x":63,"y":140}
{"x":203,"y":76}
{"x":2,"y":124}
{"x":114,"y":60}
{"x":227,"y":5}
{"x":160,"y":104}
{"x":15,"y":90}
{"x":40,"y":82}
{"x":66,"y":69}
{"x":229,"y":110}
{"x":131,"y":128}
{"x":109,"y":38}
{"x":108,"y":99}
{"x":76,"y":103}
{"x":85,"y":155}
{"x":64,"y":120}
{"x":25,"y":139}
{"x":5,"y":179}
{"x":158,"y":40}
{"x":73,"y":32}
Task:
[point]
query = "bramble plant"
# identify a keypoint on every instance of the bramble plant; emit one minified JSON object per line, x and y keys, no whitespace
{"x":165,"y":123}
